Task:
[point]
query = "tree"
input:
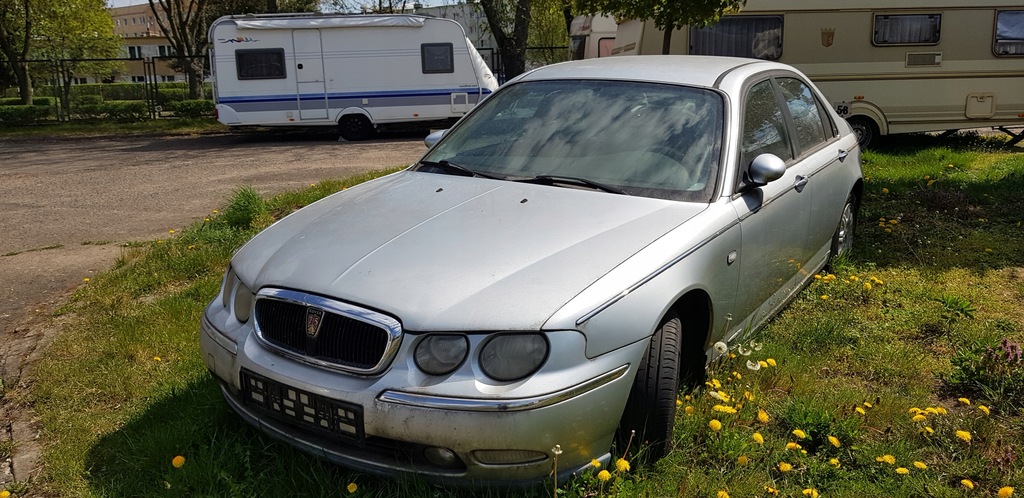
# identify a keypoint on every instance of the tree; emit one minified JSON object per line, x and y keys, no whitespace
{"x":15,"y":35}
{"x":509,"y":21}
{"x":668,"y":15}
{"x":547,"y":29}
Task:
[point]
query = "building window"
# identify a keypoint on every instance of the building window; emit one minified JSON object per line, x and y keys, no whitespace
{"x":138,"y":79}
{"x":167,"y":79}
{"x":758,"y":37}
{"x":437,"y":58}
{"x":907,"y":29}
{"x":134,"y":52}
{"x":1009,"y":33}
{"x":260,"y":64}
{"x":165,"y":50}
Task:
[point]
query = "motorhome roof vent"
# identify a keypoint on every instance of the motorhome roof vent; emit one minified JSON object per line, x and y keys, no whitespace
{"x":916,"y":59}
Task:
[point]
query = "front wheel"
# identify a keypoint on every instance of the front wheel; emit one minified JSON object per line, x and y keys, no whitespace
{"x":842,"y":239}
{"x":651,"y":407}
{"x":355,"y":127}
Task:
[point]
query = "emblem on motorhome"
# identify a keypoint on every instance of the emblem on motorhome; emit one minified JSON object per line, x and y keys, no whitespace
{"x":314,"y":318}
{"x":828,"y":35}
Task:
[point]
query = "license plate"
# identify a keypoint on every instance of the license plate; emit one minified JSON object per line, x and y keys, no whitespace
{"x":302,"y":408}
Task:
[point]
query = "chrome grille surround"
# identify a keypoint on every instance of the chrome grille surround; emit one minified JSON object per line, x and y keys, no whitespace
{"x":371,"y":322}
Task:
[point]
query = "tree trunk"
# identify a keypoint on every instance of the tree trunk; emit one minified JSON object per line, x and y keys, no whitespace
{"x":20,"y":69}
{"x":666,"y":43}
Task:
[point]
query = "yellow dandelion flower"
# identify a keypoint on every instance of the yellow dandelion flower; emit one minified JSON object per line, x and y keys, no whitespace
{"x":921,"y":465}
{"x":889,"y":459}
{"x":762,"y":416}
{"x":965,"y":435}
{"x":928,"y":430}
{"x":688,"y":410}
{"x":834,"y":441}
{"x":178,"y":461}
{"x":687,"y":397}
{"x":984,"y":409}
{"x":679,"y":402}
{"x":157,"y":358}
{"x":817,"y":277}
{"x":964,"y":401}
{"x":206,"y":219}
{"x":723,"y":494}
{"x":894,"y":222}
{"x":762,"y":363}
{"x":5,"y":494}
{"x":758,"y":438}
{"x":621,"y":465}
{"x":941,"y":411}
{"x":86,"y":279}
{"x":743,"y":460}
{"x":902,"y":471}
{"x":813,"y":493}
{"x":932,"y":410}
{"x":715,"y":425}
{"x":1004,"y":492}
{"x":799,"y":434}
{"x":770,"y":490}
{"x":771,"y":362}
{"x":792,"y":446}
{"x":888,"y":230}
{"x":785,"y":467}
{"x":595,"y":463}
{"x":604,"y":475}
{"x":950,"y":165}
{"x":824,"y":297}
{"x":748,"y":395}
{"x":967,"y":483}
{"x":919,"y":418}
{"x":834,"y":462}
{"x":861,"y":411}
{"x":215,"y":211}
{"x":914,"y":410}
{"x":170,"y":232}
{"x":854,"y":278}
{"x":737,"y":375}
{"x":352,"y":487}
{"x":885,"y":190}
{"x":723,"y":409}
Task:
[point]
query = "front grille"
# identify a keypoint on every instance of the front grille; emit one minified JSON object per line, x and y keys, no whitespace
{"x":338,"y":418}
{"x":340,"y":340}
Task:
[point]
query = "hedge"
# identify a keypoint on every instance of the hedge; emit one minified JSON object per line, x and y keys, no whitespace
{"x":115,"y":109}
{"x":43,"y":101}
{"x":24,"y":114}
{"x":193,"y":108}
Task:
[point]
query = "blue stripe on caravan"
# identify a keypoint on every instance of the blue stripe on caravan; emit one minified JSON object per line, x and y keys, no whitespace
{"x":352,"y":95}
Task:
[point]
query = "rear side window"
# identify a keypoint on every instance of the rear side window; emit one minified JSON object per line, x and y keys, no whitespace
{"x":907,"y":29}
{"x":808,"y":122}
{"x":1009,"y":33}
{"x":437,"y":58}
{"x":758,"y":37}
{"x":260,"y":64}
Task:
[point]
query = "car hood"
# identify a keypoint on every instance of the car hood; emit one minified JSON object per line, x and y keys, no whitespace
{"x":444,"y":252}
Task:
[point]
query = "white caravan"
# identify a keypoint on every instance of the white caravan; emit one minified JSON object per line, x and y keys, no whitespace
{"x":591,"y":36}
{"x":888,"y":67}
{"x":356,"y":72}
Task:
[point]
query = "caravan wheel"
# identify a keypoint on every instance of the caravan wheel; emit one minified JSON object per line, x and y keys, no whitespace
{"x":355,"y":127}
{"x":865,"y":129}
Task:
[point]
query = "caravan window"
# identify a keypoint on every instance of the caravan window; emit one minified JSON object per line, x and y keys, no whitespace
{"x":260,"y":64}
{"x":1009,"y":33}
{"x":907,"y":29}
{"x":758,"y":37}
{"x":437,"y":58}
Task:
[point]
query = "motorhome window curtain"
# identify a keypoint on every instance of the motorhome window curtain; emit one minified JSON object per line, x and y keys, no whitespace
{"x":909,"y":29}
{"x":1010,"y":32}
{"x":758,"y":37}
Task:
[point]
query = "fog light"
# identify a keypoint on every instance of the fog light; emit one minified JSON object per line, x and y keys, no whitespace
{"x":508,"y":457}
{"x":442,"y":457}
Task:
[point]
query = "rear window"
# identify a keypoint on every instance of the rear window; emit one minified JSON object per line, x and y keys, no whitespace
{"x":907,"y":29}
{"x":758,"y":37}
{"x":260,"y":64}
{"x":1009,"y":33}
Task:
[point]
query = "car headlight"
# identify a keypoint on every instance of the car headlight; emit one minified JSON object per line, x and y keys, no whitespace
{"x":236,"y":296}
{"x":509,"y":357}
{"x":441,"y":354}
{"x":227,"y":286}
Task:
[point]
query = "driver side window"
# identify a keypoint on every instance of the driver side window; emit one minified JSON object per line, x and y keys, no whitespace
{"x":764,"y":126}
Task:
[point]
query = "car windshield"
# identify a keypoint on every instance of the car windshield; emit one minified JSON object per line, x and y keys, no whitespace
{"x":646,"y":139}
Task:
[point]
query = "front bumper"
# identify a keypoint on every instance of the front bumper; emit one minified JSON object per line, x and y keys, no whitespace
{"x":497,"y":432}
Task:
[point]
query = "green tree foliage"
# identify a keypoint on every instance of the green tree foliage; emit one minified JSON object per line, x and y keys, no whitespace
{"x":668,"y":15}
{"x":509,"y":21}
{"x":15,"y":38}
{"x":547,"y":29}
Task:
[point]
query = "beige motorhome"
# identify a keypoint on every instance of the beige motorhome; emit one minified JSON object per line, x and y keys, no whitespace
{"x":591,"y":36}
{"x":888,"y":67}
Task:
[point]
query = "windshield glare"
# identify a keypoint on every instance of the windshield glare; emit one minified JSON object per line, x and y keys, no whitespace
{"x":648,"y":139}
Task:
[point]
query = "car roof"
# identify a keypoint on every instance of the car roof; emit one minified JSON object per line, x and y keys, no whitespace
{"x":693,"y":70}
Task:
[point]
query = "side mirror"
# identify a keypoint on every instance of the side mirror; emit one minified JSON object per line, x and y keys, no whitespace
{"x":766,"y":168}
{"x":433,"y":138}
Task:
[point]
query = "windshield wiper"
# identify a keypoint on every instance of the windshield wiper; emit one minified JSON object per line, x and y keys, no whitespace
{"x":450,"y":166}
{"x":553,"y":179}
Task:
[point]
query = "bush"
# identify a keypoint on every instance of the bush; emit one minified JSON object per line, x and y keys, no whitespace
{"x":194,"y":108}
{"x":118,"y":110}
{"x":87,"y":100}
{"x":23,"y":114}
{"x":40,"y":101}
{"x":994,"y":372}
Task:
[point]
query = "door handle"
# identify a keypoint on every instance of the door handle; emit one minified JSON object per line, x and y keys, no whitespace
{"x":801,"y":182}
{"x":842,"y":155}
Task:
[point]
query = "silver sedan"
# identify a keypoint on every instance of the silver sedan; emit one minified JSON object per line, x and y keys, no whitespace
{"x":550,"y":273}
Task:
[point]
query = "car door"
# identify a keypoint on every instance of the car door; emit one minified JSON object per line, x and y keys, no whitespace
{"x":774,"y":217}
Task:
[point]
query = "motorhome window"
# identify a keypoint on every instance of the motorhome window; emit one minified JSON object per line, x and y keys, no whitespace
{"x":260,"y":64}
{"x":907,"y":29}
{"x":577,"y":47}
{"x":758,"y":37}
{"x":806,"y":113}
{"x":605,"y":46}
{"x":437,"y":58}
{"x":1010,"y":33}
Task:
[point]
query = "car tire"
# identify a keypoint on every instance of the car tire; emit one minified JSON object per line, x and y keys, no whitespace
{"x":355,"y":127}
{"x":651,"y":407}
{"x":865,"y":129}
{"x":842,"y":239}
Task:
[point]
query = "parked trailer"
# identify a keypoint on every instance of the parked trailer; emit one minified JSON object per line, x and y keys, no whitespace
{"x":591,"y":36}
{"x":356,"y":72}
{"x":888,"y":67}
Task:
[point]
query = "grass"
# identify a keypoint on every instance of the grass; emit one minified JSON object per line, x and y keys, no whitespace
{"x":86,"y":129}
{"x":874,"y":355}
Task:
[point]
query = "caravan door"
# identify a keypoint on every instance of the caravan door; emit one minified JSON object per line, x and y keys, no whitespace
{"x":309,"y":74}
